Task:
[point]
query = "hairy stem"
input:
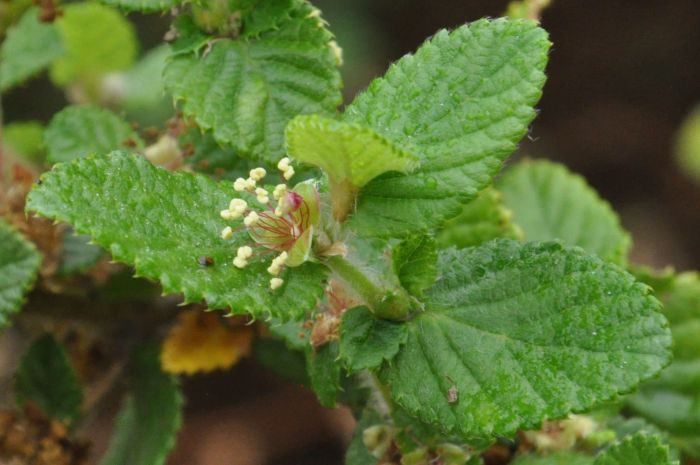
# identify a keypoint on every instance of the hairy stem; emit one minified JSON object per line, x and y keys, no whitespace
{"x":392,"y":304}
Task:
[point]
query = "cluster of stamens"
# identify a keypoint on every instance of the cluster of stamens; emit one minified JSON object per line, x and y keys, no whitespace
{"x":276,"y":227}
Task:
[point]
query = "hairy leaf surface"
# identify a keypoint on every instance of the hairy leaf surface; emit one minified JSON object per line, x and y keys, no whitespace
{"x":247,"y":90}
{"x":461,"y":104}
{"x":415,"y":263}
{"x":513,"y":334}
{"x":81,"y":130}
{"x":162,"y":223}
{"x":366,"y":341}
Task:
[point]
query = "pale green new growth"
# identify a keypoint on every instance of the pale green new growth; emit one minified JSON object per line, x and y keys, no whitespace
{"x":366,"y":341}
{"x":640,"y":449}
{"x":247,"y":90}
{"x":24,"y":139}
{"x":147,"y":425}
{"x":19,"y":264}
{"x":46,"y":379}
{"x":30,"y":47}
{"x":522,"y":333}
{"x":551,"y":203}
{"x":79,"y":131}
{"x":688,"y":145}
{"x":461,"y":104}
{"x":97,"y":40}
{"x":162,"y":223}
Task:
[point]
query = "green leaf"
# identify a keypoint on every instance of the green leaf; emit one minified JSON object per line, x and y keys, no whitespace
{"x":366,"y":341}
{"x":481,"y":220}
{"x":357,"y":453}
{"x":559,"y":458}
{"x":461,"y":104}
{"x":78,"y":254}
{"x":162,"y":223}
{"x":324,"y":372}
{"x":259,"y":16}
{"x":19,"y":264}
{"x":640,"y":449}
{"x":143,"y":5}
{"x":147,"y":425}
{"x":46,"y":378}
{"x":688,"y":145}
{"x":81,"y":130}
{"x":98,"y":40}
{"x":351,"y":155}
{"x":30,"y":46}
{"x":247,"y":90}
{"x":415,"y":263}
{"x":549,"y":202}
{"x":516,"y":333}
{"x":25,"y":139}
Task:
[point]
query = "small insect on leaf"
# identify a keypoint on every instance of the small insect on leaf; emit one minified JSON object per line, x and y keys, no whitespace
{"x":205,"y":261}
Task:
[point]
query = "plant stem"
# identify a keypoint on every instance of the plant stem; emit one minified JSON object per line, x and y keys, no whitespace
{"x":392,"y":304}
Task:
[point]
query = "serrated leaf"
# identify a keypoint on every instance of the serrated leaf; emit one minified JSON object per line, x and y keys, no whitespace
{"x":163,"y":222}
{"x":461,"y":104}
{"x":30,"y":47}
{"x":78,"y":254}
{"x":97,"y":40}
{"x":147,"y":425}
{"x":19,"y":264}
{"x":46,"y":378}
{"x":367,"y":341}
{"x":247,"y":90}
{"x":481,"y":220}
{"x":640,"y":449}
{"x":259,"y":16}
{"x":147,"y":6}
{"x":516,"y":333}
{"x":559,"y":458}
{"x":551,"y":203}
{"x":82,"y":130}
{"x":415,"y":263}
{"x":351,"y":155}
{"x":324,"y":372}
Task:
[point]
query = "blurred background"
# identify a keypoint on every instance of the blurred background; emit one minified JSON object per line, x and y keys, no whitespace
{"x":623,"y":76}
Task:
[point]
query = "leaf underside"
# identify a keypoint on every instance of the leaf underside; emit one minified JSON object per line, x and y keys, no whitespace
{"x":162,"y":223}
{"x":523,"y":333}
{"x":461,"y":104}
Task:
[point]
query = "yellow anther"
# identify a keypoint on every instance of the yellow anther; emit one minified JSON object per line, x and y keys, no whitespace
{"x":239,"y":262}
{"x":276,"y":283}
{"x":280,"y":191}
{"x":230,"y":214}
{"x":263,"y":196}
{"x":240,"y":185}
{"x":244,"y":252}
{"x":257,"y":173}
{"x":250,"y":184}
{"x":274,"y":269}
{"x":288,"y":173}
{"x":283,"y":164}
{"x":227,"y":233}
{"x":238,"y":206}
{"x":251,"y":219}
